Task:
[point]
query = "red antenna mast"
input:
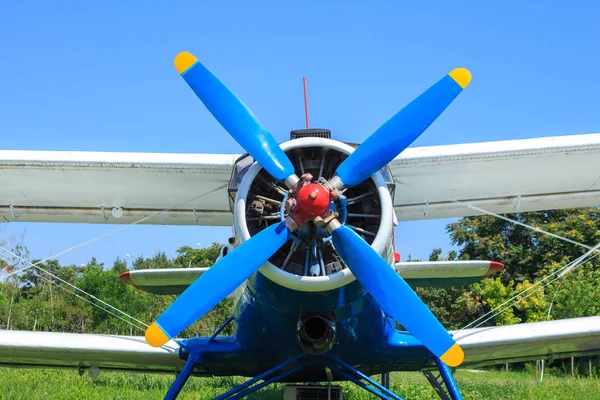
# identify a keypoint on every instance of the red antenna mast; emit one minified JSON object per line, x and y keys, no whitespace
{"x":305,"y":102}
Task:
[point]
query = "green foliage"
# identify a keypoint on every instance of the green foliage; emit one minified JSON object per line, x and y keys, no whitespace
{"x":54,"y":300}
{"x":34,"y":300}
{"x":197,"y":258}
{"x":495,"y":294}
{"x":526,"y":253}
{"x":451,"y":305}
{"x":578,"y":295}
{"x":529,"y":257}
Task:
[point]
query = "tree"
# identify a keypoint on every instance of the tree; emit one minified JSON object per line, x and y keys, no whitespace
{"x":452,"y":306}
{"x":530,"y":256}
{"x":197,"y":258}
{"x":42,"y":298}
{"x":159,"y":260}
{"x":527,"y":254}
{"x":34,"y":299}
{"x":577,"y":295}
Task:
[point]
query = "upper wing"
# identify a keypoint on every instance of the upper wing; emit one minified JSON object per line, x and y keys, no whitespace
{"x":574,"y":337}
{"x":50,"y":186}
{"x":507,"y":176}
{"x":502,"y":177}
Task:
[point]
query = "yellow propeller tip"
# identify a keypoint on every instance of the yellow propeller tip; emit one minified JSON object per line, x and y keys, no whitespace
{"x":155,"y":336}
{"x":183,"y":61}
{"x":454,"y":356}
{"x":462,"y":76}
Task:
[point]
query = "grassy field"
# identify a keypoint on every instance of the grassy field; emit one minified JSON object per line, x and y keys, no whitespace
{"x":67,"y":384}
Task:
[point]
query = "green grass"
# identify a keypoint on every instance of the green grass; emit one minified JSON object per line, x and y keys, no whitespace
{"x":67,"y":384}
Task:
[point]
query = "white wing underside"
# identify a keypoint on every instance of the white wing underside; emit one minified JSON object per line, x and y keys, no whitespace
{"x":502,"y":177}
{"x":483,"y":346}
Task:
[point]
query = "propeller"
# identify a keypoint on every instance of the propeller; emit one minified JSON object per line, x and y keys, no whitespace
{"x":219,"y":281}
{"x":393,"y":294}
{"x":236,"y":118}
{"x":373,"y":272}
{"x":401,"y":130}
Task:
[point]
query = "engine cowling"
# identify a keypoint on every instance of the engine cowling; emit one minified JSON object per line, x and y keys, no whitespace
{"x":309,"y":262}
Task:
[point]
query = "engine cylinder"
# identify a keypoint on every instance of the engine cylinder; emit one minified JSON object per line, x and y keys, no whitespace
{"x":309,"y":262}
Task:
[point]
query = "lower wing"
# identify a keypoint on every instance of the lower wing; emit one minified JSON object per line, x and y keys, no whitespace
{"x":482,"y":346}
{"x":565,"y":338}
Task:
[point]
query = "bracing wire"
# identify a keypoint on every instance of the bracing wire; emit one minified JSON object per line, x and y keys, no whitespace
{"x":513,"y":301}
{"x":481,"y":210}
{"x":561,"y":272}
{"x":122,"y":228}
{"x":95,"y":305}
{"x":70,"y":249}
{"x":487,"y":212}
{"x":73,"y":286}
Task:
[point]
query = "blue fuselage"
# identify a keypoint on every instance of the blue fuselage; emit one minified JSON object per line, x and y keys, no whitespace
{"x":267,"y":316}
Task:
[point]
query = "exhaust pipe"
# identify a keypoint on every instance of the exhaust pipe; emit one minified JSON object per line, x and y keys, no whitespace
{"x":316,"y":333}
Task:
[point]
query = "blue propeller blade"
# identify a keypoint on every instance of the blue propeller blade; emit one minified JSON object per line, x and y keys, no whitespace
{"x":215,"y":284}
{"x":402,"y":129}
{"x":234,"y":116}
{"x":395,"y":296}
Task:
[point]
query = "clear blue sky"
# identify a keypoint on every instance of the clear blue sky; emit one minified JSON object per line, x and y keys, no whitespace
{"x":100,"y":77}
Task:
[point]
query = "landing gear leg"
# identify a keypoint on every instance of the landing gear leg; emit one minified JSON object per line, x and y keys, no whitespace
{"x":182,"y":377}
{"x":273,"y":375}
{"x":445,"y":378}
{"x":385,"y":380}
{"x":448,"y":378}
{"x":355,"y":376}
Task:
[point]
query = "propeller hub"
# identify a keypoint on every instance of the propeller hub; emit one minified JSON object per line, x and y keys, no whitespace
{"x":312,"y":200}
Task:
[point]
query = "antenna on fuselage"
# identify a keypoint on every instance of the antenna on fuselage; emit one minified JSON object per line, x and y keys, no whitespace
{"x":305,"y":101}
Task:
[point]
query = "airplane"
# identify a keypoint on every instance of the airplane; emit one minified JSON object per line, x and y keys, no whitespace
{"x":321,"y":294}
